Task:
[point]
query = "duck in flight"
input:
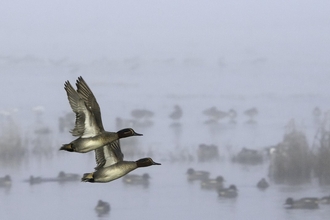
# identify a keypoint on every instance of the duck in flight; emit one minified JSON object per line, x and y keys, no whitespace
{"x":88,"y":125}
{"x":111,"y":165}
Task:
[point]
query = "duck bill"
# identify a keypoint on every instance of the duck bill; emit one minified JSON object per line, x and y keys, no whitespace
{"x":155,"y":163}
{"x":137,"y":134}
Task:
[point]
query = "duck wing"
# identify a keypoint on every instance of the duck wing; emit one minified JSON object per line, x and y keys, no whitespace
{"x":87,"y":95}
{"x":108,"y":155}
{"x":85,"y":125}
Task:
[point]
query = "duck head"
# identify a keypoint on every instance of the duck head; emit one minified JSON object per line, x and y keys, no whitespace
{"x":190,"y":171}
{"x":288,"y":201}
{"x":233,"y":187}
{"x":127,"y":132}
{"x":219,"y":179}
{"x":145,"y":162}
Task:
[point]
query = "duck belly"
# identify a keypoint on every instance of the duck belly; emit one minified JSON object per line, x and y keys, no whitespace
{"x":111,"y":173}
{"x":84,"y":145}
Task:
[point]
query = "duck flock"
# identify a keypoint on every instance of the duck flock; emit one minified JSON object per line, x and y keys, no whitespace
{"x":92,"y":136}
{"x":292,"y":161}
{"x":231,"y":191}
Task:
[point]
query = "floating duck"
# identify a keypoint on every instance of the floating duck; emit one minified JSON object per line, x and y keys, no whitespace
{"x":230,"y":192}
{"x":304,"y":203}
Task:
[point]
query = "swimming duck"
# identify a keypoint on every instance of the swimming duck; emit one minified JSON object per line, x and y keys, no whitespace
{"x":197,"y":175}
{"x":111,"y":166}
{"x":325,"y":200}
{"x":177,"y":113}
{"x":214,"y":114}
{"x":88,"y":125}
{"x":216,"y":183}
{"x":134,"y":179}
{"x":317,"y":112}
{"x":230,"y":192}
{"x":102,"y":208}
{"x":141,"y":113}
{"x":5,"y":181}
{"x":263,"y":184}
{"x":34,"y":180}
{"x":66,"y":177}
{"x":304,"y":203}
{"x":251,"y":112}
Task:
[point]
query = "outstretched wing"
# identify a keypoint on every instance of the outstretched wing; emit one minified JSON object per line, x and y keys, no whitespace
{"x":85,"y":125}
{"x":108,"y":155}
{"x":87,"y":95}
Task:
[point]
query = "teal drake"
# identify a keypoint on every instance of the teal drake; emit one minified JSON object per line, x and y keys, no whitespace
{"x":111,"y":165}
{"x":134,"y":179}
{"x":304,"y":203}
{"x":5,"y":181}
{"x":263,"y":184}
{"x":216,"y":183}
{"x":88,"y":125}
{"x":197,"y":175}
{"x":230,"y":192}
{"x":102,"y":208}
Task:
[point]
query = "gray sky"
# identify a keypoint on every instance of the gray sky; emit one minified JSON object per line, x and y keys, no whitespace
{"x":276,"y":30}
{"x":261,"y":42}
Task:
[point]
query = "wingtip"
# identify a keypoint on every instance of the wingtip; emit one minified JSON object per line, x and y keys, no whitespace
{"x":80,"y":78}
{"x":66,"y":84}
{"x":87,"y":177}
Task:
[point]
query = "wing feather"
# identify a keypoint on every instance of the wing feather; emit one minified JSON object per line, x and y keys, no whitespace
{"x":108,"y":155}
{"x":87,"y":95}
{"x":85,"y":125}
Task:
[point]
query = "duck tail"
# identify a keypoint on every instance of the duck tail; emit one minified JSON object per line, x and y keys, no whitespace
{"x":87,"y":177}
{"x":67,"y":147}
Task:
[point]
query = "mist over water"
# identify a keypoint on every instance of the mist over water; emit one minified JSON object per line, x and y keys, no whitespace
{"x":152,"y":56}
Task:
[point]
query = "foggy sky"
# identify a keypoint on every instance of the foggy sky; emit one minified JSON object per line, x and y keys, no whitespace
{"x":274,"y":46}
{"x":278,"y":30}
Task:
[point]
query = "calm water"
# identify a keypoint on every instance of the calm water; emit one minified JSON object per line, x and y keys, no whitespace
{"x":170,"y":195}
